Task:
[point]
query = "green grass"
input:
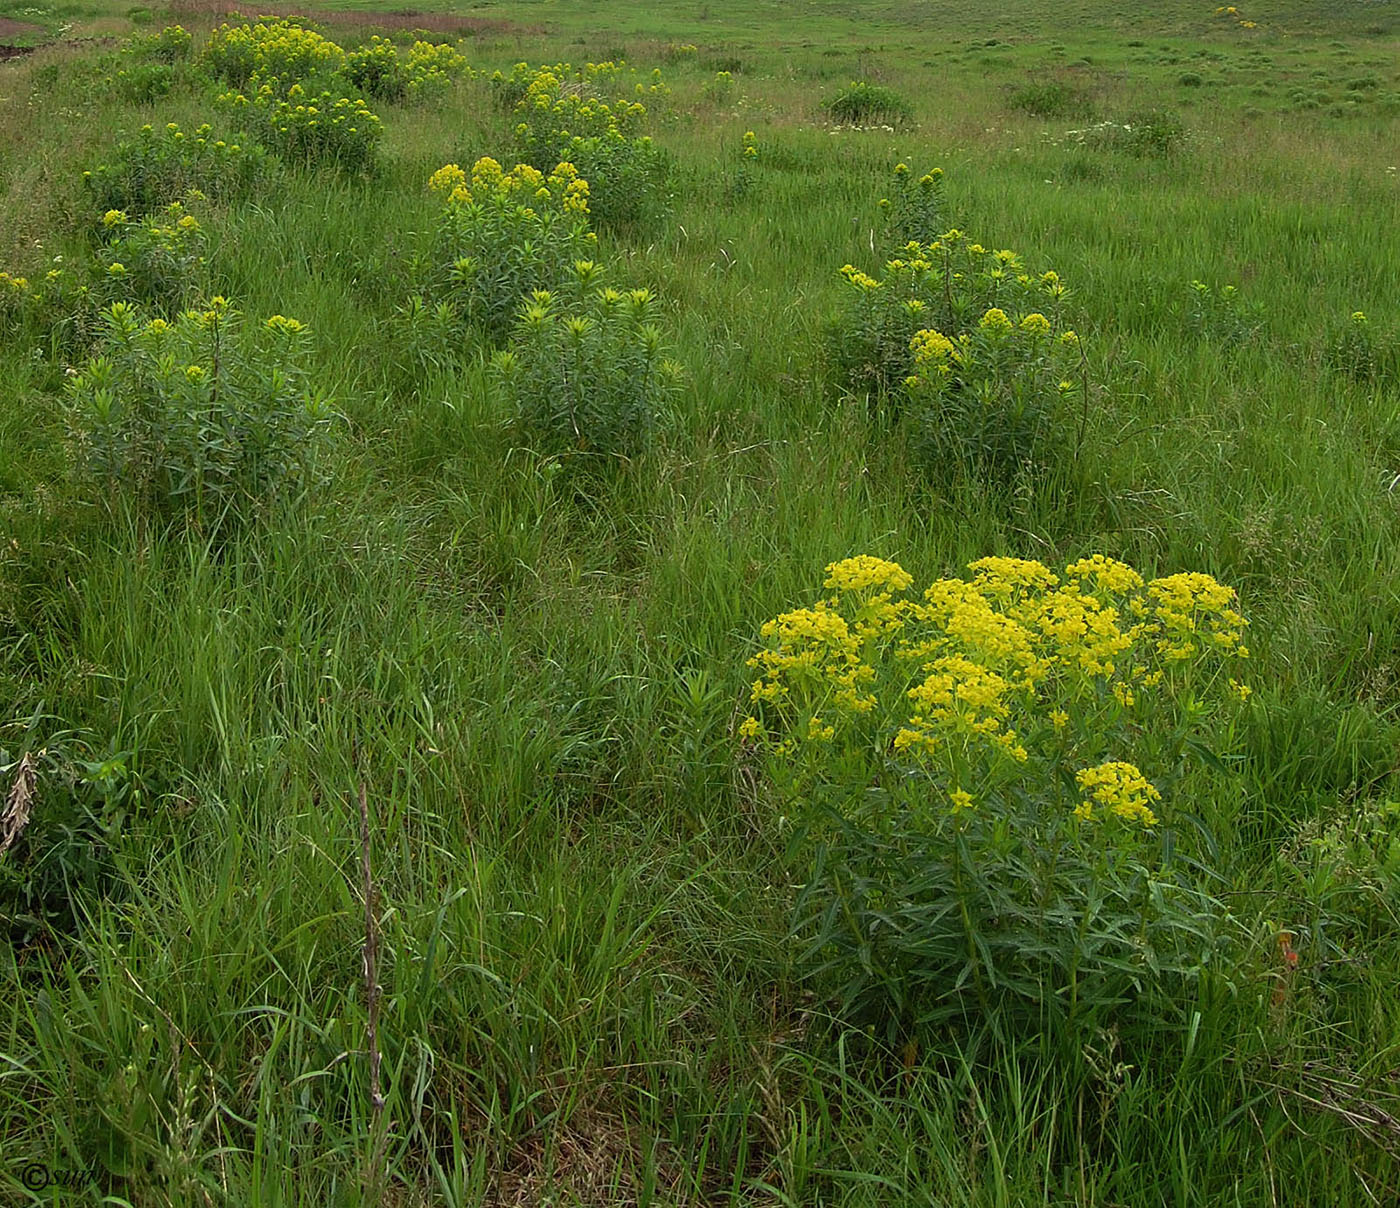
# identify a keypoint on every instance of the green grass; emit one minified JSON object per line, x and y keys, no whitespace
{"x":589,"y":997}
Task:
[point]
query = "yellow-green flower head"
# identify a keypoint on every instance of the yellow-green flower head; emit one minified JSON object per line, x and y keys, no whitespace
{"x":864,"y":572}
{"x":1003,"y":578}
{"x":1070,"y":339}
{"x":1359,"y":318}
{"x":113,"y":218}
{"x":116,"y":268}
{"x":1035,"y":324}
{"x":901,"y":169}
{"x":285,"y":326}
{"x":995,"y":322}
{"x":1104,"y":573}
{"x":1121,"y":789}
{"x":929,"y":345}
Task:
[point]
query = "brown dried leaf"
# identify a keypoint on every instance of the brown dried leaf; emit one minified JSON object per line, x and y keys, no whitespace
{"x":15,"y":816}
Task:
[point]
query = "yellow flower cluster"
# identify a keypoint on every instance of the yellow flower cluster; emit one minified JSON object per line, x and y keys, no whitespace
{"x":279,"y":49}
{"x":984,"y":673}
{"x":1121,"y":789}
{"x":563,"y":188}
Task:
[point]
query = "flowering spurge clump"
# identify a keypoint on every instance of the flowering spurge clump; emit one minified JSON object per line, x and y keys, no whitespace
{"x":163,"y":163}
{"x":309,"y":129}
{"x":948,"y":286}
{"x":563,"y":115}
{"x":992,"y":404}
{"x":982,"y":782}
{"x":376,"y":68}
{"x":282,"y":49}
{"x":205,"y":418}
{"x":586,"y":372}
{"x":158,"y":261}
{"x":501,"y":235}
{"x":914,"y":208}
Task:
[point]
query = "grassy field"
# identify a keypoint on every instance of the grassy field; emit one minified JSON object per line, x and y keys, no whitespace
{"x":535,"y":676}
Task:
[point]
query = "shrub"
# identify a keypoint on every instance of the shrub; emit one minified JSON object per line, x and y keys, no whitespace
{"x":1221,"y":315}
{"x":980,"y":785}
{"x":914,"y":210}
{"x":1153,"y":133}
{"x":1049,"y":99}
{"x":145,"y":83}
{"x":163,"y":164}
{"x":1362,"y":351}
{"x":991,"y":404}
{"x":375,"y":69}
{"x":587,"y":377}
{"x":200,"y":418}
{"x":172,"y":45}
{"x":63,"y":812}
{"x":864,"y":104}
{"x":432,"y":66}
{"x":500,"y":236}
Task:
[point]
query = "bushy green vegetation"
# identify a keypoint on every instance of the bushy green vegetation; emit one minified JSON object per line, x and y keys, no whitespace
{"x":840,"y":711}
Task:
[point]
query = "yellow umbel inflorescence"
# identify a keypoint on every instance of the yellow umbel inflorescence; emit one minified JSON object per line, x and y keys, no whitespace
{"x":1015,"y":665}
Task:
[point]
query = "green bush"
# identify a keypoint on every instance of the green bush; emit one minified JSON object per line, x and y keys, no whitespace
{"x":201,"y":418}
{"x":242,"y":55}
{"x":914,"y":211}
{"x":1221,"y":314}
{"x":1049,"y":99}
{"x":864,"y":104}
{"x":563,"y":119}
{"x":587,"y":377}
{"x":164,"y":164}
{"x":324,"y":129}
{"x":980,"y":786}
{"x":376,"y":70}
{"x":172,"y":45}
{"x":1361,"y":350}
{"x":64,"y":811}
{"x":1152,"y":133}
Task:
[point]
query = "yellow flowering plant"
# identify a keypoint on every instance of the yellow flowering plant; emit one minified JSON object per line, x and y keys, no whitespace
{"x":1363,"y":349}
{"x":201,"y":417}
{"x":310,"y":128}
{"x":158,"y":261}
{"x":586,"y":373}
{"x":281,"y":49}
{"x":164,"y":162}
{"x":914,"y":209}
{"x":994,"y":403}
{"x":580,"y":116}
{"x":982,"y":781}
{"x":501,"y":235}
{"x":946,"y":285}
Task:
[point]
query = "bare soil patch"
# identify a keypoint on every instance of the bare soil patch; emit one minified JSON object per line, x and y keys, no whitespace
{"x":10,"y":28}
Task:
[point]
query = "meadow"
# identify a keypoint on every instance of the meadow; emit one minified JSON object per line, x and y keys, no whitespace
{"x":473,"y":727}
